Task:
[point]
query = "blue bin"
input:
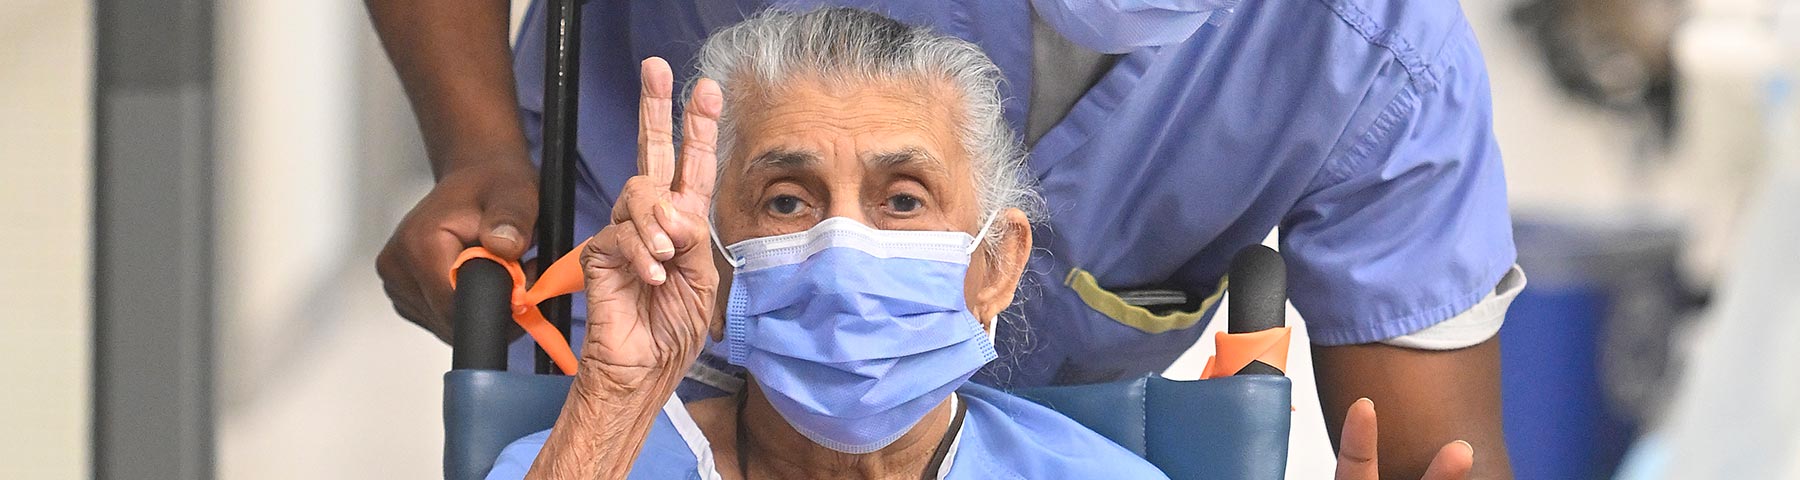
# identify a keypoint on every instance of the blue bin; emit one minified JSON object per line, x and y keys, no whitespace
{"x":1584,"y":340}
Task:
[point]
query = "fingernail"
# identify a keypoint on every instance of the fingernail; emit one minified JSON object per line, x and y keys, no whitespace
{"x":506,"y":232}
{"x":1468,"y":446}
{"x":1366,"y":400}
{"x":663,"y":245}
{"x":657,"y":274}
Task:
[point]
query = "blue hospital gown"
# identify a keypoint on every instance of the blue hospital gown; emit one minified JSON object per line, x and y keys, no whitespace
{"x":1003,"y":437}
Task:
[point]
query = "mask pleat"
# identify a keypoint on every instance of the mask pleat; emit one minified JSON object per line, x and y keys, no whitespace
{"x":855,"y":333}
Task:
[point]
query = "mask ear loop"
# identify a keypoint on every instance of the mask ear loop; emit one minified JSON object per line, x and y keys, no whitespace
{"x":982,"y":235}
{"x":712,"y":229}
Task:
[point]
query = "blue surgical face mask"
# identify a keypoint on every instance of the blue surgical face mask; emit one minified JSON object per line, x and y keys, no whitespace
{"x":854,"y":333}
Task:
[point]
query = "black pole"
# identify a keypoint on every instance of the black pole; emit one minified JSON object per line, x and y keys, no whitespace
{"x":556,"y":181}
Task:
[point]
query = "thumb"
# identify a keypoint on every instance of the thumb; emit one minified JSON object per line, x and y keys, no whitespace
{"x":507,"y":219}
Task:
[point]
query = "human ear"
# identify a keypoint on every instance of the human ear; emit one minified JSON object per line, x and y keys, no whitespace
{"x":722,"y":297}
{"x":995,"y":269}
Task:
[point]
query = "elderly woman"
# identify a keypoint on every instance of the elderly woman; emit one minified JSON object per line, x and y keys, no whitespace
{"x":871,"y":209}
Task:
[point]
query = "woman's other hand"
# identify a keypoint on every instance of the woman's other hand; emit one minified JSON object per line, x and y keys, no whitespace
{"x":650,"y":274}
{"x":1356,"y":450}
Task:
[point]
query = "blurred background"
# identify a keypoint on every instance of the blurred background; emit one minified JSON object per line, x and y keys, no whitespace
{"x":1652,"y":152}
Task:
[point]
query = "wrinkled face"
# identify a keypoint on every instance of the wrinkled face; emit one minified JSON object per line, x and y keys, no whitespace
{"x":884,"y":153}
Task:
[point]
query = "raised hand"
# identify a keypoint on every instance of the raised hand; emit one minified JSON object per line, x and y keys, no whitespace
{"x":650,"y":274}
{"x":1357,"y":458}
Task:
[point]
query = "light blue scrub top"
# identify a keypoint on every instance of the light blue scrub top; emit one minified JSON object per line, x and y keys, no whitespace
{"x":1002,"y":437}
{"x":1361,"y":128}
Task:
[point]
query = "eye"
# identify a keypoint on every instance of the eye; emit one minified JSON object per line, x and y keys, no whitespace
{"x":785,"y":204}
{"x":904,"y":203}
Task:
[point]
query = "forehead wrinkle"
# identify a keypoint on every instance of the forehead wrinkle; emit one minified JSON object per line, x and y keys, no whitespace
{"x":818,"y":108}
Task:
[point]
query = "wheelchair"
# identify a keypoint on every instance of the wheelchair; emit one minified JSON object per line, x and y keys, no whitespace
{"x":1233,"y":425}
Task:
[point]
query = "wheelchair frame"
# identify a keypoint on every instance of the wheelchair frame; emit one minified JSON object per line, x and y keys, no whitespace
{"x":479,"y":387}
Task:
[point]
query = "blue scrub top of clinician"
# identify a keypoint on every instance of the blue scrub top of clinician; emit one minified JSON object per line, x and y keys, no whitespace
{"x":1002,"y":436}
{"x":1361,"y":128}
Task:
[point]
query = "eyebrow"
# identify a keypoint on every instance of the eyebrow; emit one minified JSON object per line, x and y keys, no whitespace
{"x":783,"y":159}
{"x":905,"y":157}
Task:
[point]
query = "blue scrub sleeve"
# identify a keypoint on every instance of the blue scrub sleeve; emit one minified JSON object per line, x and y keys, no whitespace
{"x":1407,"y":225}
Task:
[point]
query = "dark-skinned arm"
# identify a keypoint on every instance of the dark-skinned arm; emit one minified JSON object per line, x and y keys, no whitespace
{"x":456,"y":65}
{"x":1427,"y":399}
{"x":455,"y":62}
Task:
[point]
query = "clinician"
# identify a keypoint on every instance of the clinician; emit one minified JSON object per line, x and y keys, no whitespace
{"x":1165,"y":135}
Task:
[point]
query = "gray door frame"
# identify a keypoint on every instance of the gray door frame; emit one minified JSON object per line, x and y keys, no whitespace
{"x":153,"y":347}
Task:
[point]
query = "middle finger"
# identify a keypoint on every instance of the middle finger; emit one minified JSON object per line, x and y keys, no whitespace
{"x":700,"y":138}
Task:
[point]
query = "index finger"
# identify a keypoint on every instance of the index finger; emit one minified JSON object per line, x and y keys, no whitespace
{"x":434,"y":255}
{"x":656,"y":143}
{"x":699,"y":143}
{"x":1356,"y":449}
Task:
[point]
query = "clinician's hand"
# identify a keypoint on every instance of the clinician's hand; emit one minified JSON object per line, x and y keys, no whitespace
{"x":492,"y":203}
{"x":650,"y":274}
{"x":1356,"y":450}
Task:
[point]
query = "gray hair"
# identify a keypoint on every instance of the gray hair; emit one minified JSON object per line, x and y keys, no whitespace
{"x":848,"y":45}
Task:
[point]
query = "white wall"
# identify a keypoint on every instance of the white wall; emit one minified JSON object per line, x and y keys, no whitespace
{"x":318,"y":159}
{"x":46,"y":176}
{"x":316,"y":379}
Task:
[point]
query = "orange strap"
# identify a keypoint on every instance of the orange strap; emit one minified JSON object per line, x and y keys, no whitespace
{"x":1236,"y":350}
{"x":562,"y":278}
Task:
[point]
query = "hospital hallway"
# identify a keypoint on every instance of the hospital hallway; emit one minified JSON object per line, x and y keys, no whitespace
{"x":312,"y":156}
{"x":361,"y":390}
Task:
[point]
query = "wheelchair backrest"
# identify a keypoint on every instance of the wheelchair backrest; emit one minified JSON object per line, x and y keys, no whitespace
{"x":1231,"y":427}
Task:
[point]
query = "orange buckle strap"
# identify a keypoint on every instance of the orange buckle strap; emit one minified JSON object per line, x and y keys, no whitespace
{"x":562,"y":278}
{"x":1236,"y":350}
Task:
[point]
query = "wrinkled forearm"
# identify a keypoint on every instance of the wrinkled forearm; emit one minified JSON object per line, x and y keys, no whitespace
{"x":603,"y":425}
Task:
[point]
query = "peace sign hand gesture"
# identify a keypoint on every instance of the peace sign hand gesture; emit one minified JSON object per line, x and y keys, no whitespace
{"x":650,"y":274}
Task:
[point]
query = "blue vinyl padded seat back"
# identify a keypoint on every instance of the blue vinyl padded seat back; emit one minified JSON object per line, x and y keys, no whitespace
{"x":1231,"y":427}
{"x":485,"y":410}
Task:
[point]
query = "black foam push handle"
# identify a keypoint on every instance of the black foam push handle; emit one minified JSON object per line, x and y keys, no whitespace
{"x":1258,"y":297}
{"x":481,"y":309}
